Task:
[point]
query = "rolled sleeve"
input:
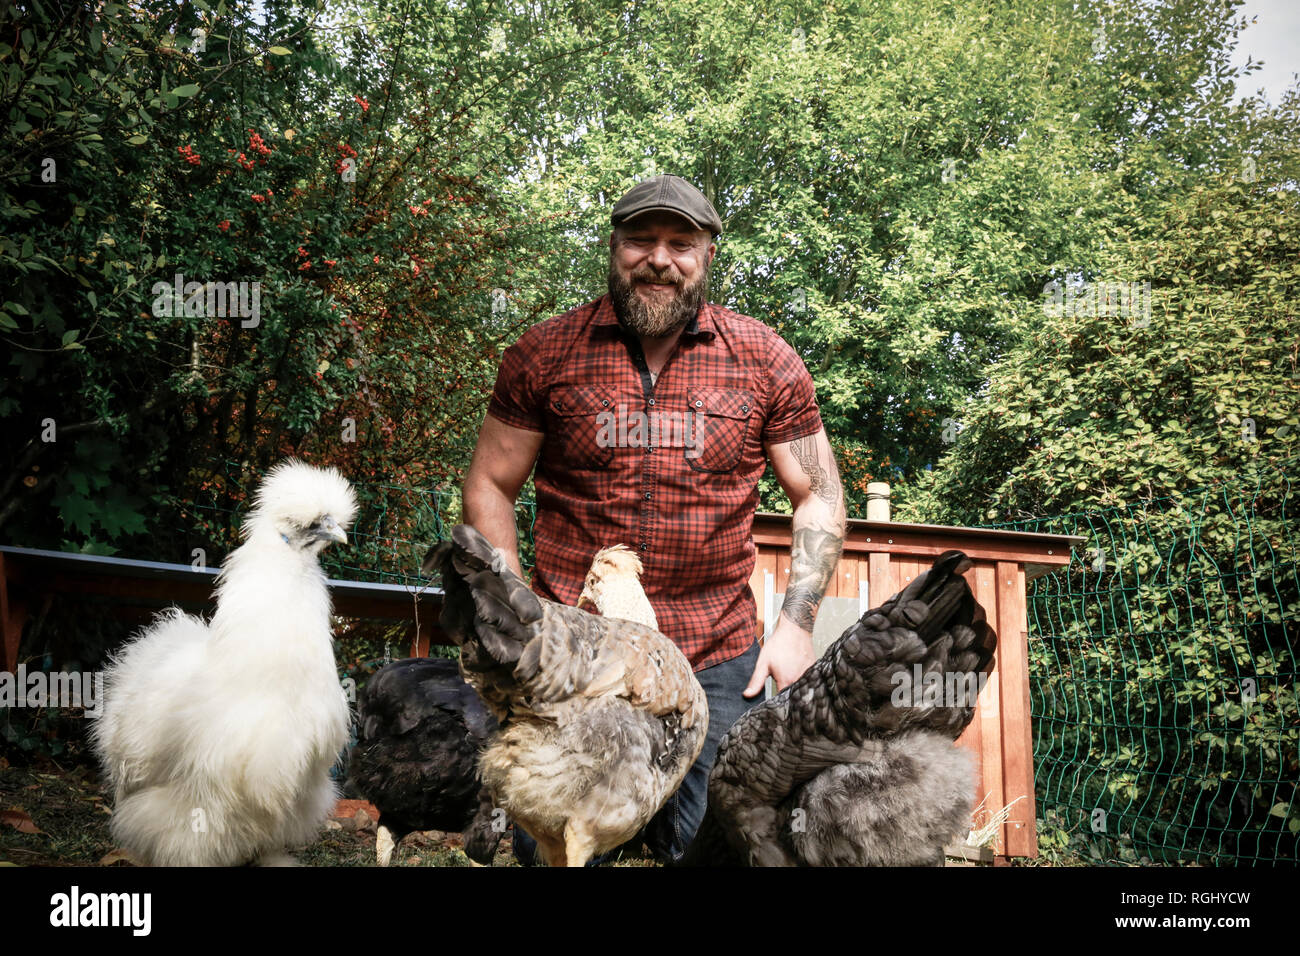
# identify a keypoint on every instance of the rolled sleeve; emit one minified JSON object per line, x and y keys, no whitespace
{"x":515,"y":399}
{"x":792,"y":406}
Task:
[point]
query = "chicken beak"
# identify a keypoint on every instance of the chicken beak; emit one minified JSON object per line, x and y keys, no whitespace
{"x":327,"y":529}
{"x":586,"y":602}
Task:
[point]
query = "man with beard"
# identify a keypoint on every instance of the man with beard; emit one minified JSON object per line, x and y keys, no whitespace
{"x":651,"y":414}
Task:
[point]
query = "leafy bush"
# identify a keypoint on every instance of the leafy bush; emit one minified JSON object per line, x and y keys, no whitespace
{"x":346,"y":206}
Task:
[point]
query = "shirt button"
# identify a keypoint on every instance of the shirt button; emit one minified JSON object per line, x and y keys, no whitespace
{"x":650,"y":401}
{"x":645,"y":546}
{"x":743,"y":408}
{"x":605,"y":402}
{"x":698,"y":403}
{"x":647,"y":496}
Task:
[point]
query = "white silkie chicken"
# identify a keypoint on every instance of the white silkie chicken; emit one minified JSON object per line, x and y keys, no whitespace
{"x":217,"y":737}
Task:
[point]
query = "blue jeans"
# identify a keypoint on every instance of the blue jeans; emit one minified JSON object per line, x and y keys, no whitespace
{"x":671,"y":830}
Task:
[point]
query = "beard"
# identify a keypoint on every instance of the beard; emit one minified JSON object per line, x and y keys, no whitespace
{"x":656,"y":319}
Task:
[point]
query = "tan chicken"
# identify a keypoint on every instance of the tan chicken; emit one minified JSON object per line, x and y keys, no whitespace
{"x":600,"y":717}
{"x":613,"y":587}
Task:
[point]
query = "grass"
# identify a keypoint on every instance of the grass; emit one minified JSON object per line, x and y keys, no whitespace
{"x":65,"y":805}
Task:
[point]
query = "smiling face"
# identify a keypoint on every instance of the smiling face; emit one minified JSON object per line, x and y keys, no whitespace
{"x":658,"y":272}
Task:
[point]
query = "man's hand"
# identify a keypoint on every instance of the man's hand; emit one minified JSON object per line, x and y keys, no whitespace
{"x":806,"y":470}
{"x":786,"y":654}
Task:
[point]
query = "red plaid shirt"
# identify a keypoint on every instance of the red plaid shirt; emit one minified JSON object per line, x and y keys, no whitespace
{"x":670,"y":469}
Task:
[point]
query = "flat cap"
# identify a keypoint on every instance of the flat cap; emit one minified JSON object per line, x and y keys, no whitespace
{"x":668,"y":194}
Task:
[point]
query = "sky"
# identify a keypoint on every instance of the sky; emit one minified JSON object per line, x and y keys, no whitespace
{"x":1274,"y":37}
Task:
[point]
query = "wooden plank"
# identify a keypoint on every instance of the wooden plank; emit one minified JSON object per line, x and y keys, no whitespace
{"x":765,"y":522}
{"x":1017,"y":732}
{"x":906,"y":570}
{"x":846,"y":578}
{"x":880,"y":576}
{"x":40,"y":564}
{"x":970,"y":737}
{"x":42,"y":573}
{"x":765,"y":563}
{"x":763,"y":556}
{"x":1040,"y":553}
{"x":990,"y":709}
{"x":931,"y":548}
{"x":193,"y":593}
{"x":13,"y":615}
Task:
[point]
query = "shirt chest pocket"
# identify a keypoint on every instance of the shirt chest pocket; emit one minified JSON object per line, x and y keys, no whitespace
{"x":717,"y":425}
{"x":578,"y":434}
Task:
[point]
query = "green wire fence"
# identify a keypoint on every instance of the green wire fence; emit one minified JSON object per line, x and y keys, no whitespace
{"x":1163,"y":680}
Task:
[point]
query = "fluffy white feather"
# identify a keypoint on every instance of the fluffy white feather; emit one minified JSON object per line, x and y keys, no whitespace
{"x":613,"y":587}
{"x":217,"y":737}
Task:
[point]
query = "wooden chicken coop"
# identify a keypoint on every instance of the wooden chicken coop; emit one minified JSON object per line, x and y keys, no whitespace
{"x":880,"y":557}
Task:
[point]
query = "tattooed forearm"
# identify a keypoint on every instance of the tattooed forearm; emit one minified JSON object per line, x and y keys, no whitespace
{"x":812,"y":562}
{"x":825,"y":482}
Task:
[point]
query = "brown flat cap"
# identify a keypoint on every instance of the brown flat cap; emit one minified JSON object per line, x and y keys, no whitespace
{"x":668,"y":194}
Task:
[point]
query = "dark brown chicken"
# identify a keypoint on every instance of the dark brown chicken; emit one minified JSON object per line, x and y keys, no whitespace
{"x":420,"y":733}
{"x":854,"y":764}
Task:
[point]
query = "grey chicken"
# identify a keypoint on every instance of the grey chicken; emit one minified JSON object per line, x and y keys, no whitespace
{"x":421,"y":731}
{"x":854,"y":764}
{"x":600,"y":717}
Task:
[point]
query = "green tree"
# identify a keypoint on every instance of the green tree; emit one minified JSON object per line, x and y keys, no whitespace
{"x":328,"y":170}
{"x":898,"y":181}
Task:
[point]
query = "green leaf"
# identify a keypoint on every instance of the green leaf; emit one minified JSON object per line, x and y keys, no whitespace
{"x":139,"y":139}
{"x":76,"y":511}
{"x":189,"y":89}
{"x":279,"y":50}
